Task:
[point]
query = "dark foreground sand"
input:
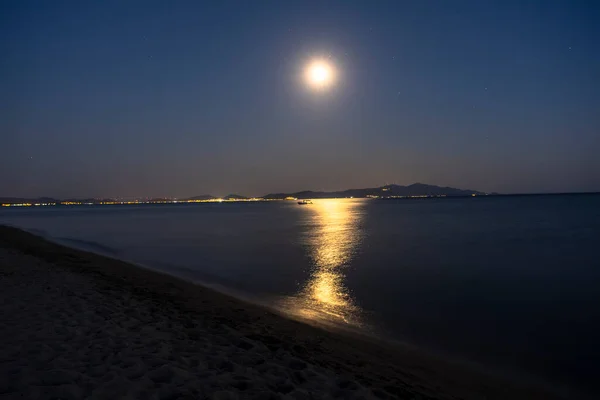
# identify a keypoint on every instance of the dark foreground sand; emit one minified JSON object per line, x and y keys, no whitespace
{"x":76,"y":325}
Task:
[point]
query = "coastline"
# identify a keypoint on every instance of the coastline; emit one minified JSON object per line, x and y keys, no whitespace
{"x":84,"y":324}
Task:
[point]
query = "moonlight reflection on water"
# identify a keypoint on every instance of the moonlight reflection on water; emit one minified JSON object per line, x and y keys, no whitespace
{"x":332,"y":243}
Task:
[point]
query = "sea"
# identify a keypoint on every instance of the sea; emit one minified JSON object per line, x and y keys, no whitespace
{"x":511,"y":283}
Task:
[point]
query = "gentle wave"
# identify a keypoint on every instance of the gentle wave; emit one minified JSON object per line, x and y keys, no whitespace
{"x":89,"y":245}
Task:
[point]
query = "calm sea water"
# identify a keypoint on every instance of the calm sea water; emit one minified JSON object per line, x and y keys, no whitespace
{"x":512,"y":282}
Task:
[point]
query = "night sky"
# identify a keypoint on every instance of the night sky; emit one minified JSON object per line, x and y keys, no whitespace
{"x":182,"y":98}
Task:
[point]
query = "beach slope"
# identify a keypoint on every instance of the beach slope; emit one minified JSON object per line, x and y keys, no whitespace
{"x":78,"y":325}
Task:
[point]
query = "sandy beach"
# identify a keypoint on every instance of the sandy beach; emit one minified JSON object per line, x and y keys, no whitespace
{"x":77,"y":325}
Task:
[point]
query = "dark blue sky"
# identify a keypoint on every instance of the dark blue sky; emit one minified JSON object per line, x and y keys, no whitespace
{"x":159,"y":98}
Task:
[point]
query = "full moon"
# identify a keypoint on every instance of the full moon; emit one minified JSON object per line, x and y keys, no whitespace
{"x":320,"y":74}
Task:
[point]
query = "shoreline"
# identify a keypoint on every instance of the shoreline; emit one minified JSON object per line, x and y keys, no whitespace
{"x":361,"y":333}
{"x":248,"y":336}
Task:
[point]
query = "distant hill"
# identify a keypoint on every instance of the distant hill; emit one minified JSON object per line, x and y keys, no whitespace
{"x":416,"y":189}
{"x":235,"y":197}
{"x":202,"y":197}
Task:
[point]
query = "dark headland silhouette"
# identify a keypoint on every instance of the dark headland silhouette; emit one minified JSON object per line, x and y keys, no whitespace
{"x":414,"y":190}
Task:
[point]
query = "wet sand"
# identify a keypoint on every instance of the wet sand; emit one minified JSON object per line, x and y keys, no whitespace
{"x":77,"y":325}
